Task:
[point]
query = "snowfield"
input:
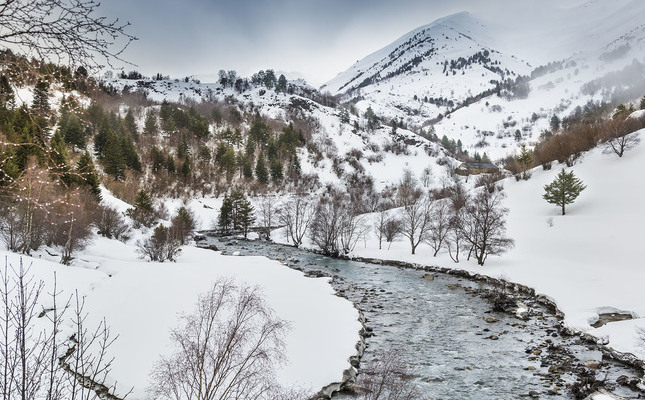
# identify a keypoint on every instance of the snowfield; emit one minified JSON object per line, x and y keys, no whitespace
{"x":141,"y":302}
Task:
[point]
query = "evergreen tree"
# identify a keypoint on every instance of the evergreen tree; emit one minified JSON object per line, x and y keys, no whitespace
{"x":59,"y":158}
{"x":182,"y":225}
{"x":525,"y":159}
{"x":131,"y":125}
{"x":113,"y":159}
{"x":244,"y":213}
{"x":247,"y":168}
{"x":157,"y":159}
{"x":261,"y":173}
{"x":276,"y":171}
{"x":225,"y":219}
{"x":564,"y":189}
{"x":7,"y":98}
{"x":170,"y":164}
{"x":86,"y":174}
{"x":185,"y":168}
{"x":282,"y":84}
{"x":72,"y":130}
{"x":143,"y":212}
{"x":40,"y":102}
{"x":150,"y":125}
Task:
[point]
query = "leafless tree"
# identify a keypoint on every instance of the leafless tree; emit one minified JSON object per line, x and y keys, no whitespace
{"x":352,"y":228}
{"x":111,"y":223}
{"x":296,"y":215}
{"x":36,"y":357}
{"x":439,"y":225}
{"x":407,"y":191}
{"x":621,"y":136}
{"x":392,"y":230}
{"x":326,"y":224}
{"x":62,"y":31}
{"x":267,"y":210}
{"x":484,"y":225}
{"x":228,"y":348}
{"x":387,"y":378}
{"x":160,"y":246}
{"x":416,"y":221}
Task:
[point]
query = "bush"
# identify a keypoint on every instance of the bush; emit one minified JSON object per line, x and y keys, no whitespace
{"x":111,"y":224}
{"x":161,"y":246}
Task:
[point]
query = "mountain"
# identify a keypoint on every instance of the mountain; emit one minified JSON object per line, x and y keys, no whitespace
{"x":496,"y":86}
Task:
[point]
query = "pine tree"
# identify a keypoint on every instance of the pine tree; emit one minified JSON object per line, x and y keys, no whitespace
{"x":150,"y":125}
{"x":245,"y":214}
{"x":261,"y":173}
{"x":7,"y":98}
{"x":131,"y":125}
{"x":40,"y":103}
{"x":113,"y":159}
{"x":72,"y":130}
{"x":59,"y":159}
{"x":564,"y":189}
{"x":143,"y":212}
{"x":87,"y":175}
{"x":276,"y":171}
{"x":225,"y":220}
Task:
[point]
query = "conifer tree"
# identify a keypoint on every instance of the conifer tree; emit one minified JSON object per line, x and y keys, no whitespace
{"x":225,"y":219}
{"x":59,"y":158}
{"x":564,"y":189}
{"x":150,"y":125}
{"x":7,"y":98}
{"x":40,"y":102}
{"x":87,"y":174}
{"x":261,"y":173}
{"x":72,"y":130}
{"x":131,"y":125}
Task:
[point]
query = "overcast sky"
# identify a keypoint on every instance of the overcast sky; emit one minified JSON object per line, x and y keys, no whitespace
{"x":317,"y":38}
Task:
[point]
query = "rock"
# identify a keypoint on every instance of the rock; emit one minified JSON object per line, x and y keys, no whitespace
{"x":529,"y":368}
{"x":534,"y":394}
{"x":428,"y":277}
{"x":490,"y":320}
{"x":592,"y":364}
{"x":623,"y":380}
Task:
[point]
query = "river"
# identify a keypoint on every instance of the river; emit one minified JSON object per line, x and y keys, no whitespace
{"x":455,"y":346}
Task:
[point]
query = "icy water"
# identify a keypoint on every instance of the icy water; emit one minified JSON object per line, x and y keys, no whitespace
{"x":443,"y":327}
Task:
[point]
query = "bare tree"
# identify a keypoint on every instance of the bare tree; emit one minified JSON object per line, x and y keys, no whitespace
{"x":111,"y":224}
{"x":620,"y":136}
{"x":326,"y":224}
{"x":387,"y":378}
{"x":439,"y":225}
{"x":62,"y":31}
{"x":36,"y":357}
{"x":416,"y":217}
{"x":267,"y":210}
{"x":227,"y":348}
{"x":484,"y":225}
{"x":296,"y":215}
{"x":160,"y":246}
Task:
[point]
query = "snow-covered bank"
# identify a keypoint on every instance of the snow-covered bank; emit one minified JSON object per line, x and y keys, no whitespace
{"x":141,"y":302}
{"x":587,"y":261}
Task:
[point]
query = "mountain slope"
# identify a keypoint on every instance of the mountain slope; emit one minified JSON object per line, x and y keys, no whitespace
{"x":460,"y":77}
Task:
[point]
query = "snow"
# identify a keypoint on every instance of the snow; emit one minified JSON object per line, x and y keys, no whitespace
{"x":588,"y":261}
{"x":141,"y":302}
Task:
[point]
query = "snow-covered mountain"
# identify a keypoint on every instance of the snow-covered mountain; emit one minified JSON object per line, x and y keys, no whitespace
{"x":495,"y":86}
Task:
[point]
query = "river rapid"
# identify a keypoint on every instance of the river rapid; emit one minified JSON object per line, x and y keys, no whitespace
{"x":454,"y":344}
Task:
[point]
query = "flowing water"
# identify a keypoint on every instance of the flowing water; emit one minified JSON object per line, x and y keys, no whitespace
{"x":454,"y":345}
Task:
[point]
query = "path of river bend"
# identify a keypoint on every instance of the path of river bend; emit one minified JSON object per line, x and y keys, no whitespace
{"x":441,"y":325}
